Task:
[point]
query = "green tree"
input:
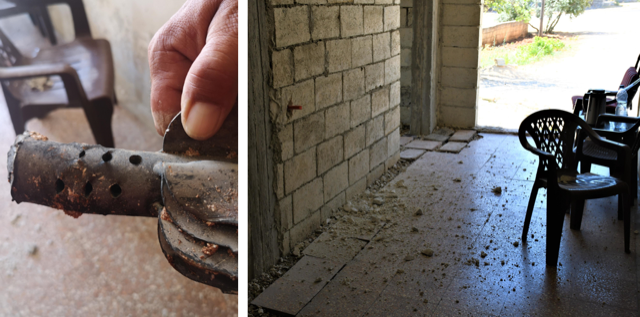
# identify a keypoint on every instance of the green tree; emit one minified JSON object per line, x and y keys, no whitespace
{"x":554,"y":9}
{"x":511,"y":10}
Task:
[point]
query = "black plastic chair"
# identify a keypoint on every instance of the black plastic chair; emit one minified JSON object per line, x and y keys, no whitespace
{"x":81,"y":74}
{"x":556,"y":135}
{"x":591,"y":153}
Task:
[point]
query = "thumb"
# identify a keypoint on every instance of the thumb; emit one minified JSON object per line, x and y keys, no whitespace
{"x":211,"y":86}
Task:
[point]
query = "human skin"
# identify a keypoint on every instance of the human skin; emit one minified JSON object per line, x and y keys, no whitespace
{"x":193,"y":60}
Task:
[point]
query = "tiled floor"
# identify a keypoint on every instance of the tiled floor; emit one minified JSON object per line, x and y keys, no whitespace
{"x":461,"y":220}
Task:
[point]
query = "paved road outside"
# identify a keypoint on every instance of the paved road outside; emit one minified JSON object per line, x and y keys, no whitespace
{"x":605,"y":45}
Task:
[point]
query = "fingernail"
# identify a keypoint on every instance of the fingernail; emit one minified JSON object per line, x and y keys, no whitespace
{"x":201,"y":121}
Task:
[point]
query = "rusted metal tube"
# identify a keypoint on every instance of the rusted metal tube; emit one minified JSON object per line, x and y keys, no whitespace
{"x":82,"y":178}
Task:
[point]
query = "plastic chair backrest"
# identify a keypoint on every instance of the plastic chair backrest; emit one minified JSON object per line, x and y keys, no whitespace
{"x":554,"y":132}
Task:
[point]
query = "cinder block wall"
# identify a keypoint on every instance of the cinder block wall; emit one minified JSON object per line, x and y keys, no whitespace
{"x":460,"y":37}
{"x":339,"y":61}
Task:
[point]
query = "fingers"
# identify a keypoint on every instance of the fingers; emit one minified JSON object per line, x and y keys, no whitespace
{"x":171,"y":54}
{"x":211,"y":85}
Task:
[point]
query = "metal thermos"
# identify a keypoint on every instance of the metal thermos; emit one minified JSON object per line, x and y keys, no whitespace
{"x":596,"y":105}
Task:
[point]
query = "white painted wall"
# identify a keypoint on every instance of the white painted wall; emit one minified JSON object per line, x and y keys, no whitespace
{"x":129,"y":26}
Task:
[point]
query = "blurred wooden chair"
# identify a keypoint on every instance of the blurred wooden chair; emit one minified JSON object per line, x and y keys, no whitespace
{"x":78,"y":74}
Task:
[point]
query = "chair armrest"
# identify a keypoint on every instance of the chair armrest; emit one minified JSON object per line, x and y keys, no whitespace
{"x":69,"y":76}
{"x":528,"y":147}
{"x":80,"y":21}
{"x":623,"y":150}
{"x":606,"y":117}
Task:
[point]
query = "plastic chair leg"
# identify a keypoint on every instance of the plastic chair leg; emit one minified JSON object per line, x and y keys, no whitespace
{"x":577,"y":210}
{"x":99,"y":116}
{"x":527,"y":219}
{"x":585,"y":167}
{"x":627,"y":222}
{"x":555,"y":220}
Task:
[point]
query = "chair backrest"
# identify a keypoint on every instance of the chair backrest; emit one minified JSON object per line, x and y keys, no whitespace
{"x":554,"y":132}
{"x":9,"y":54}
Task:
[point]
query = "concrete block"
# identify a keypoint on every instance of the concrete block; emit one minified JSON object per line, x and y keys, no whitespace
{"x":459,"y":77}
{"x":308,"y":131}
{"x":285,"y":245}
{"x":394,"y":94}
{"x":403,"y":17}
{"x":353,"y":83}
{"x":328,"y":90}
{"x":392,"y":160}
{"x":406,"y":3}
{"x":476,"y":2}
{"x":301,"y":94}
{"x":460,"y":57}
{"x":311,"y":1}
{"x":378,"y":152}
{"x":411,"y":154}
{"x":391,"y":18}
{"x":373,"y":22}
{"x":303,"y":229}
{"x":381,"y":46}
{"x":463,"y":136}
{"x":404,"y":140}
{"x":424,"y":145}
{"x":458,"y":97}
{"x":291,"y":25}
{"x":453,"y":147}
{"x":282,"y":62}
{"x":333,"y":205}
{"x":393,"y":142}
{"x":336,"y":180}
{"x":384,"y":1}
{"x":330,"y":153}
{"x":375,"y":174}
{"x":392,"y":69}
{"x":358,"y":166}
{"x":360,"y":110}
{"x":410,"y":17}
{"x":457,"y":117}
{"x":337,"y":120}
{"x":299,"y":170}
{"x":391,"y":120}
{"x":374,"y":76}
{"x":356,"y":189}
{"x":364,"y":1}
{"x":338,"y":55}
{"x":461,"y":15}
{"x":361,"y":51}
{"x":354,"y":141}
{"x":307,"y":199}
{"x":406,"y":37}
{"x":405,"y":57}
{"x":461,"y":36}
{"x":379,"y":101}
{"x":285,"y":207}
{"x":353,"y":25}
{"x":279,"y":183}
{"x":340,"y":1}
{"x":395,"y":42}
{"x":285,"y":136}
{"x":326,"y":22}
{"x":375,"y":129}
{"x":308,"y":60}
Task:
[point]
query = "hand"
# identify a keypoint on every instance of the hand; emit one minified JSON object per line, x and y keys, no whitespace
{"x":193,"y":61}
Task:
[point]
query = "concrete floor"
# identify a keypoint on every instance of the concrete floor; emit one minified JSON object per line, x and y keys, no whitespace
{"x":463,"y":220}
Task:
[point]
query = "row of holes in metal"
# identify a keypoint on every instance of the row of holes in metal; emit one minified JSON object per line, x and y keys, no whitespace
{"x":114,"y":189}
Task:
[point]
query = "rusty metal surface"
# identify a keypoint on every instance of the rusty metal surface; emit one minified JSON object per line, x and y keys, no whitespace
{"x":192,"y":187}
